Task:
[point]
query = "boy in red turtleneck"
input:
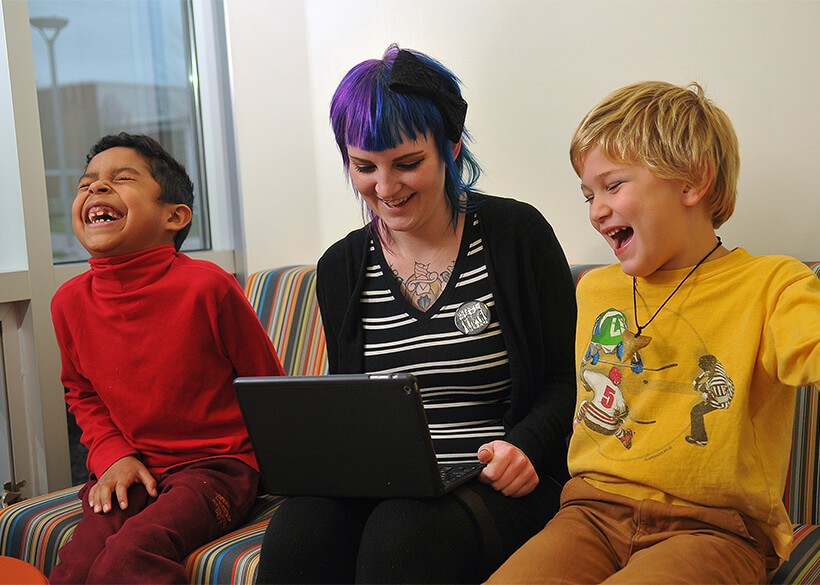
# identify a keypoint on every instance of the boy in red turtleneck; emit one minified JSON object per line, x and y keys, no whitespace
{"x":151,"y":341}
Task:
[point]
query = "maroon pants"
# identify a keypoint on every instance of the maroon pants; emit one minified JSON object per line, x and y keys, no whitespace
{"x":599,"y":537}
{"x":148,"y":541}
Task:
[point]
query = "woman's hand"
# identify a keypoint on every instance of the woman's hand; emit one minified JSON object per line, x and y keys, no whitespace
{"x":116,"y":480}
{"x":508,"y":470}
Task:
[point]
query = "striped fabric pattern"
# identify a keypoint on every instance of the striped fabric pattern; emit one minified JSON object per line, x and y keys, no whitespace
{"x":804,"y":472}
{"x":803,"y":567}
{"x":285,"y":301}
{"x":234,"y":558}
{"x":464,"y":379}
{"x":35,"y":529}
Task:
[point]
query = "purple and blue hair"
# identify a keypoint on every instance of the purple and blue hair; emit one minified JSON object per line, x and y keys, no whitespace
{"x":367,"y":114}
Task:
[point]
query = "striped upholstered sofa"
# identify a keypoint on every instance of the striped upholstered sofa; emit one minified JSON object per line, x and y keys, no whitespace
{"x":284,"y":298}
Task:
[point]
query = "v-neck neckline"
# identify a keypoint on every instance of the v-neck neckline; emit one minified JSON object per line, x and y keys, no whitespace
{"x":442,"y":300}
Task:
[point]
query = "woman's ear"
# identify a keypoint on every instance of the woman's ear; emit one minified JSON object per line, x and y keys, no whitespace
{"x":456,"y":149}
{"x":179,"y":216}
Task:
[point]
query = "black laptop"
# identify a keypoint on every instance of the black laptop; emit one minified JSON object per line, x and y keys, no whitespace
{"x":344,"y":436}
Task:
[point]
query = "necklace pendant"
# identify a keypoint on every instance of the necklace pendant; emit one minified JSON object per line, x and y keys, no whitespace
{"x":633,"y":344}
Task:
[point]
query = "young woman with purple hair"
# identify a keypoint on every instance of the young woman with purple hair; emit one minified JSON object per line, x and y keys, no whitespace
{"x":470,"y":293}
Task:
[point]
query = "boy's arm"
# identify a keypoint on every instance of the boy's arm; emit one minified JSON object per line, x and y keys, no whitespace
{"x":791,"y":347}
{"x":245,"y":341}
{"x":104,"y":440}
{"x":100,"y":435}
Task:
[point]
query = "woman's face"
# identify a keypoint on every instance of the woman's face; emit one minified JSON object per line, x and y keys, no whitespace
{"x":404,"y":185}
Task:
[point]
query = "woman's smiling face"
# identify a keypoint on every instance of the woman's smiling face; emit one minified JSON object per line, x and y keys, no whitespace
{"x":403,"y":185}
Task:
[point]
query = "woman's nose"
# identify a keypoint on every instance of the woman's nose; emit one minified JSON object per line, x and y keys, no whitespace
{"x":387,"y":186}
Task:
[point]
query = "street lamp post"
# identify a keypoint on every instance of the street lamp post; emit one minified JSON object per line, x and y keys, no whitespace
{"x":49,"y":27}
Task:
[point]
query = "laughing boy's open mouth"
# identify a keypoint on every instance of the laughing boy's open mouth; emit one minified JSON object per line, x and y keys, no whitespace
{"x":101,"y":213}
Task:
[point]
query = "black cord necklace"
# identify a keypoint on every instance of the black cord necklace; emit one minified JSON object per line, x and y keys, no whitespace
{"x":633,"y":342}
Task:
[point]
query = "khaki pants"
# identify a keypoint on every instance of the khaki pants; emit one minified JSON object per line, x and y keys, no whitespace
{"x":599,"y":537}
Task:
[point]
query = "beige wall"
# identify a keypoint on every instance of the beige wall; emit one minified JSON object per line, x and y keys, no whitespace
{"x":531,"y":69}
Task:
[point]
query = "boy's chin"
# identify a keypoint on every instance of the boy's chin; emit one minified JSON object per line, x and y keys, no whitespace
{"x":631,"y":269}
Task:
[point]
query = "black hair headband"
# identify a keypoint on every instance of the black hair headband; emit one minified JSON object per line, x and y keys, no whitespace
{"x":411,"y":75}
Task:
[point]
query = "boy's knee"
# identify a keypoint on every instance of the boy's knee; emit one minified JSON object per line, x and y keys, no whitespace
{"x":140,"y":554}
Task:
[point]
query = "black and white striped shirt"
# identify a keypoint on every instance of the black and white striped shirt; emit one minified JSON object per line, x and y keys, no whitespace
{"x":464,"y":379}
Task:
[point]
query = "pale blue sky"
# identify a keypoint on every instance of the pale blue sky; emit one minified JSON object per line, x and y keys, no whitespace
{"x":110,"y":41}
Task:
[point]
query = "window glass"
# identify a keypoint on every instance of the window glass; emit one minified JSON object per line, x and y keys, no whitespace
{"x":12,"y":233}
{"x":110,"y":66}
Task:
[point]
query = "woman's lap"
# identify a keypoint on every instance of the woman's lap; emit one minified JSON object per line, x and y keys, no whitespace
{"x":400,"y":540}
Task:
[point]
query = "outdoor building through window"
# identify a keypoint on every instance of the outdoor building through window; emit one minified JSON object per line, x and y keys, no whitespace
{"x":106,"y":67}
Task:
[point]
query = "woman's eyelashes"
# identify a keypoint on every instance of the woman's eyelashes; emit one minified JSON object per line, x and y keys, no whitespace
{"x":402,"y":166}
{"x":409,"y":166}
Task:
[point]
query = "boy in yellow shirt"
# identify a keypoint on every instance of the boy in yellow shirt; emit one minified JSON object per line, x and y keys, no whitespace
{"x":687,"y":354}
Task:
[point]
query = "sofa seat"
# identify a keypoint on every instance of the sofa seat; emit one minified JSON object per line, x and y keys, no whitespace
{"x":284,"y":298}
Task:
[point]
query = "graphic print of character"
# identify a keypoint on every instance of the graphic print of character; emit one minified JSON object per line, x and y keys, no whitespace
{"x":716,"y":389}
{"x":607,"y":337}
{"x":607,"y":411}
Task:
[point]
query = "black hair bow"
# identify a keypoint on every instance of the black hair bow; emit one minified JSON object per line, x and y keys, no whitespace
{"x":411,"y":75}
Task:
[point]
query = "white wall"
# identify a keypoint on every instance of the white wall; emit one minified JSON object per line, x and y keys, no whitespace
{"x":274,"y":131}
{"x":532,"y":69}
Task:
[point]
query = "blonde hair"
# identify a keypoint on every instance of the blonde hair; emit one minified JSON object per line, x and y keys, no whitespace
{"x":675,"y":132}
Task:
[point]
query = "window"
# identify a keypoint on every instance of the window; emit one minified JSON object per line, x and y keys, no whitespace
{"x":105,"y":67}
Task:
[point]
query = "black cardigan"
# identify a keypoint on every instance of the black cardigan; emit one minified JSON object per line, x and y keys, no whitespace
{"x":535,"y":300}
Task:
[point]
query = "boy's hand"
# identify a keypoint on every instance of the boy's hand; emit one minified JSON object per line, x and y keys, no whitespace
{"x":115,"y":482}
{"x":508,"y":470}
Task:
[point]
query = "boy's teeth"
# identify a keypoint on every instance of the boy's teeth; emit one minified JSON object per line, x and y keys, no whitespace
{"x":101,"y":214}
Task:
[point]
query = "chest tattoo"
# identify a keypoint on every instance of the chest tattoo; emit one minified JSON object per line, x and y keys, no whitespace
{"x":424,"y":286}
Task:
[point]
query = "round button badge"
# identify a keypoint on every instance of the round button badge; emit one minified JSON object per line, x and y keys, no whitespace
{"x":472,"y":317}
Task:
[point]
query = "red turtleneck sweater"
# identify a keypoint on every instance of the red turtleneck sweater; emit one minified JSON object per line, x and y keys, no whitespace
{"x":151,"y":343}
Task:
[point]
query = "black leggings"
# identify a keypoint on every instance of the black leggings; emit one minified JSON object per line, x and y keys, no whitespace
{"x":437,"y":540}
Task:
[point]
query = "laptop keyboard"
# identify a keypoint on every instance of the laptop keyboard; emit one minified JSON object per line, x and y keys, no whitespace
{"x":453,"y":472}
